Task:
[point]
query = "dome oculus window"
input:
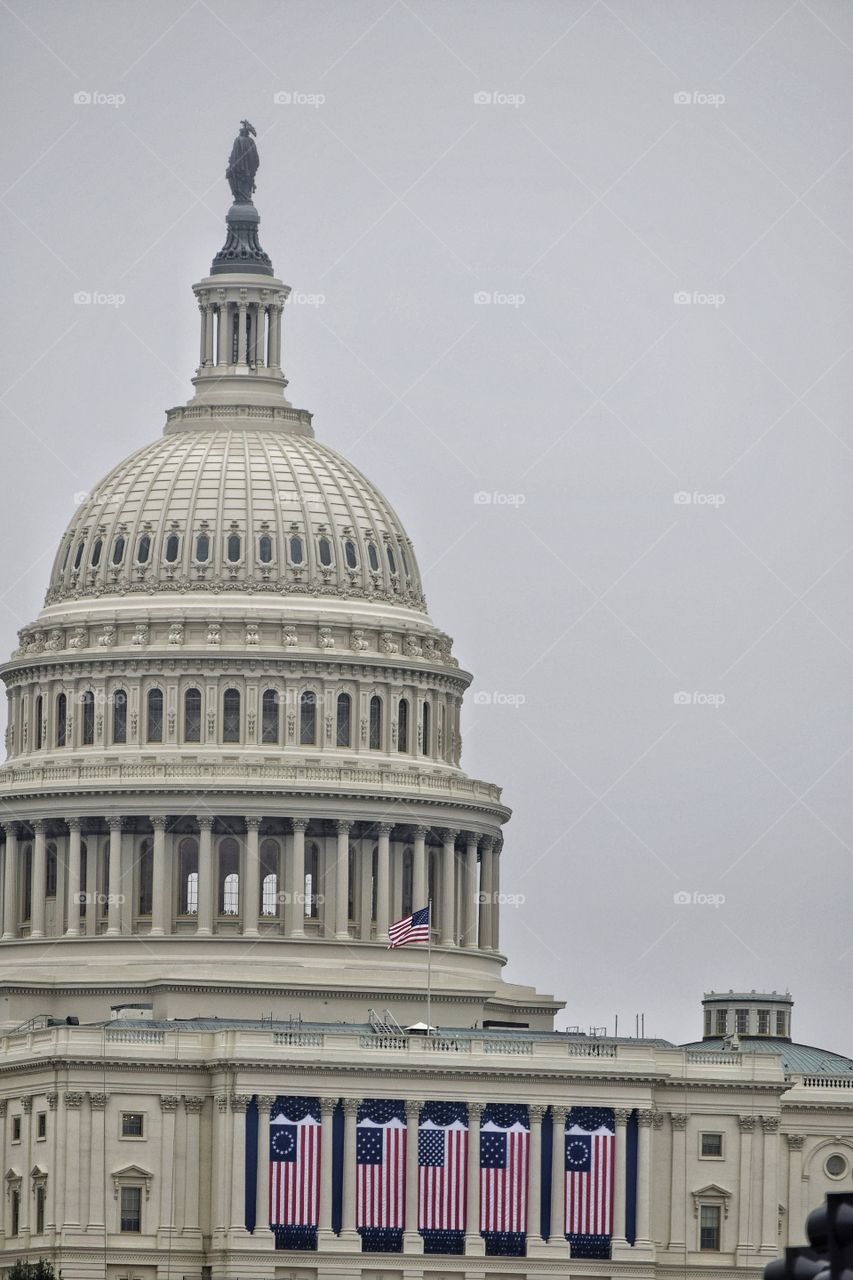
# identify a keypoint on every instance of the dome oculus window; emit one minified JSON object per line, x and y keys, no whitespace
{"x":202,"y":548}
{"x":143,"y":549}
{"x":835,"y":1166}
{"x":233,"y":548}
{"x":350,"y":554}
{"x":296,"y":552}
{"x":325,"y":549}
{"x":373,"y":557}
{"x":265,"y":549}
{"x":118,"y":549}
{"x":173,"y":546}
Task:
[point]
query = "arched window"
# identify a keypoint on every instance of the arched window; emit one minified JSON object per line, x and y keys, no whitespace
{"x":154,"y":727}
{"x":325,"y":549}
{"x":119,"y":717}
{"x":308,"y":719}
{"x":265,"y":548}
{"x":143,"y":549}
{"x":426,"y":743}
{"x":375,"y":723}
{"x":233,"y":547}
{"x":88,"y":710}
{"x":296,"y":551}
{"x":229,"y":877}
{"x":403,"y":725}
{"x":39,"y":726}
{"x":269,"y":853}
{"x":373,"y":557}
{"x":408,"y":880}
{"x":269,"y":716}
{"x":350,"y":554}
{"x":202,"y":548}
{"x":61,"y":719}
{"x":50,"y":871}
{"x":118,"y":549}
{"x":392,"y":563}
{"x":192,"y":715}
{"x":146,"y":878}
{"x":97,"y":548}
{"x":312,"y":882}
{"x":231,"y":716}
{"x":78,"y":555}
{"x":188,"y":876}
{"x":173,"y":546}
{"x":344,"y":727}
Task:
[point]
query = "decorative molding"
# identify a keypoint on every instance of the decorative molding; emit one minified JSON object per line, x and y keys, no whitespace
{"x":98,"y":1101}
{"x":240,"y":1101}
{"x":678,"y":1120}
{"x":193,"y":1103}
{"x":712,"y":1194}
{"x":622,"y":1115}
{"x":770,"y":1124}
{"x":169,"y":1102}
{"x":131,"y":1173}
{"x":795,"y":1141}
{"x":746,"y":1124}
{"x":73,"y":1101}
{"x":645,"y":1119}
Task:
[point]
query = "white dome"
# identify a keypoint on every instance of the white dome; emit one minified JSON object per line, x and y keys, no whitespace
{"x":215,"y":509}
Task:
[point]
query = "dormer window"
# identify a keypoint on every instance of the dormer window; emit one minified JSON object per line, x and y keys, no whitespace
{"x":373,"y":557}
{"x":350,"y":554}
{"x":97,"y":548}
{"x":296,"y":552}
{"x":325,"y":549}
{"x":143,"y":550}
{"x":202,"y":548}
{"x":233,"y":548}
{"x":118,"y":549}
{"x":173,"y":546}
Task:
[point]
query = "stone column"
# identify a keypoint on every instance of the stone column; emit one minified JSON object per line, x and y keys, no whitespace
{"x":342,"y":827}
{"x":534,"y":1177}
{"x":795,"y":1186}
{"x":260,"y":326}
{"x":348,"y":1231}
{"x":496,"y":895}
{"x":327,"y":1111}
{"x":161,"y":881}
{"x":275,"y":337}
{"x":114,"y":884}
{"x":168,"y":1108}
{"x":383,"y":880}
{"x":745,"y":1246}
{"x":770,"y":1186}
{"x":485,"y":895}
{"x":468,"y":913}
{"x":623,"y":1115}
{"x":420,"y":880}
{"x":202,"y":311}
{"x":241,"y":334}
{"x":204,"y":919}
{"x":193,"y":1108}
{"x":220,"y":1208}
{"x":72,"y":929}
{"x":262,"y":1185}
{"x":296,"y":881}
{"x":97,"y":1154}
{"x":223,"y":355}
{"x":413,"y":1241}
{"x":73,"y":1103}
{"x":644,"y":1178}
{"x":448,"y":887}
{"x":239,"y":1103}
{"x":207,"y":354}
{"x":474,"y":1242}
{"x":558,"y":1177}
{"x":39,"y":879}
{"x":253,"y":880}
{"x":10,"y":884}
{"x":678,"y":1183}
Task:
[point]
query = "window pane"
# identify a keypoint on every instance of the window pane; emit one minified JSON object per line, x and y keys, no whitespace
{"x":202,"y":548}
{"x":96,"y":552}
{"x":88,"y":719}
{"x":155,"y":715}
{"x":308,"y":719}
{"x":231,"y":716}
{"x":269,"y":895}
{"x":373,"y":557}
{"x":349,"y":553}
{"x":132,"y":1124}
{"x":61,"y":719}
{"x":403,"y":726}
{"x":709,"y":1227}
{"x":172,"y":546}
{"x":143,"y":551}
{"x":325,"y":552}
{"x":131,"y":1208}
{"x":296,"y":551}
{"x":425,"y":730}
{"x":192,"y":715}
{"x":344,"y":719}
{"x":269,"y":716}
{"x":712,"y":1144}
{"x":234,"y":546}
{"x":392,"y":563}
{"x":119,"y":716}
{"x":265,"y":549}
{"x":118,"y":550}
{"x":375,"y":723}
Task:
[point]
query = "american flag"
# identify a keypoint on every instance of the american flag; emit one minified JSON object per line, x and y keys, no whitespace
{"x":504,"y":1153}
{"x":380,"y":1189}
{"x":294,"y":1171}
{"x":590,"y":1147}
{"x":413,"y":928}
{"x":442,"y":1162}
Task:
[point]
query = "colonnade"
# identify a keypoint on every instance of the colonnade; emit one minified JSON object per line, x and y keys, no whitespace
{"x":301,"y":876}
{"x":244,"y":325}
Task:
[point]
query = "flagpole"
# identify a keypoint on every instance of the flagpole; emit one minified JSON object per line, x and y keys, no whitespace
{"x":429,"y":968}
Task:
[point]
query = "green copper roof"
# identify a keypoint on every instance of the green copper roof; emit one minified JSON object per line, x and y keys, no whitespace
{"x":801,"y":1059}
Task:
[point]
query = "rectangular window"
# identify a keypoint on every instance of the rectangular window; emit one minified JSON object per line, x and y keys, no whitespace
{"x":131,"y":1209}
{"x":711,"y":1146}
{"x":40,"y":1201}
{"x":16,"y":1128}
{"x":709,"y":1023}
{"x":16,"y":1213}
{"x":709,"y":1228}
{"x":780,"y":1023}
{"x":764,"y":1022}
{"x":132,"y":1124}
{"x":722,"y":1019}
{"x":742,"y":1021}
{"x":41,"y":1125}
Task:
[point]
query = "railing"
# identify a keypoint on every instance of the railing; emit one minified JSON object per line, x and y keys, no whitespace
{"x":823,"y":1082}
{"x":592,"y":1050}
{"x":729,"y":1059}
{"x":298,"y":1039}
{"x":507,"y":1046}
{"x":375,"y":1041}
{"x":446,"y":1044}
{"x":130,"y":1035}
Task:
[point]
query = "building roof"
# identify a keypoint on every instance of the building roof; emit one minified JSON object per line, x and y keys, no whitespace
{"x":800,"y":1059}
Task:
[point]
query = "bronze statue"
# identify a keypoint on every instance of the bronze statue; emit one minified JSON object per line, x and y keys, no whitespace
{"x":243,"y":164}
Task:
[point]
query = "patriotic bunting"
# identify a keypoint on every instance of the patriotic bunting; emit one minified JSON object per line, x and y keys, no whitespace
{"x":380,"y":1184}
{"x":442,"y":1181}
{"x":294,"y":1175}
{"x":504,"y":1157}
{"x":590,"y":1139}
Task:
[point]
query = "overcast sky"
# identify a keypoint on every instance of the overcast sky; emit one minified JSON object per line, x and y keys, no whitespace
{"x":579,"y":165}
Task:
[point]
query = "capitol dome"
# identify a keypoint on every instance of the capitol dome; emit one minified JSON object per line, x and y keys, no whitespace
{"x":250,"y":505}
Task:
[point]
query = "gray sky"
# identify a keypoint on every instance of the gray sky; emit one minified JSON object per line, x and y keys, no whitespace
{"x":582,"y":397}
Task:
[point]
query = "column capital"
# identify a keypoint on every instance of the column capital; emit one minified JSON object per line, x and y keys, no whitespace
{"x":169,"y":1101}
{"x":657,"y":1119}
{"x":448,"y":834}
{"x":240,"y":1101}
{"x":253,"y":824}
{"x":73,"y":824}
{"x":222,"y":1102}
{"x":475,"y":1110}
{"x":623,"y":1115}
{"x":770,"y":1124}
{"x":98,"y":1101}
{"x":419,"y":833}
{"x":487,"y":843}
{"x":205,"y":823}
{"x":384,"y":828}
{"x":413,"y":1109}
{"x":193,"y":1103}
{"x":558,"y":1114}
{"x":27,"y":1104}
{"x":343,"y":825}
{"x":327,"y":1106}
{"x":351,"y":1106}
{"x":159,"y":823}
{"x":645,"y":1118}
{"x":39,"y":825}
{"x":746,"y":1124}
{"x":73,"y":1101}
{"x":795,"y":1141}
{"x":114,"y":823}
{"x":537,"y":1112}
{"x":52,"y":1100}
{"x":266,"y":1102}
{"x":678,"y":1120}
{"x":299,"y":824}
